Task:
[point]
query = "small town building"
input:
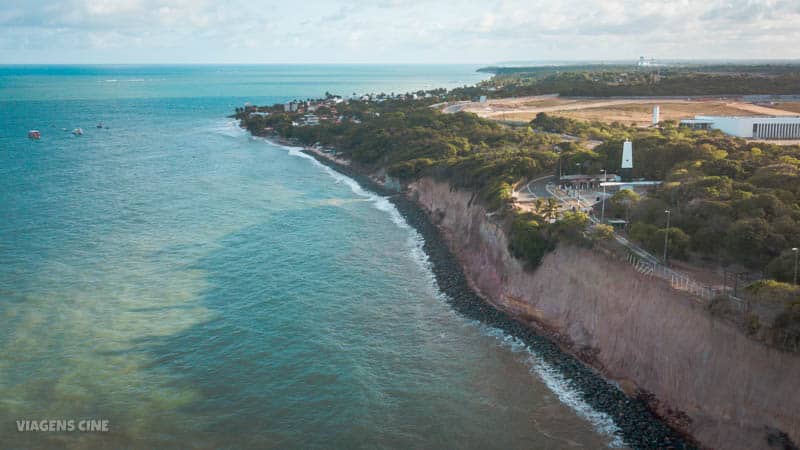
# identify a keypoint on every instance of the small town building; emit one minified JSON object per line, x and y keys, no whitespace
{"x":310,"y":119}
{"x":585,"y":181}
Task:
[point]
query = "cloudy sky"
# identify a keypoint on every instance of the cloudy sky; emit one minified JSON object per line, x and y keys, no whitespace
{"x":386,"y":31}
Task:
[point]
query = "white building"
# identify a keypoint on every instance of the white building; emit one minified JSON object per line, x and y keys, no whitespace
{"x":646,"y":62}
{"x":756,"y":127}
{"x":310,"y":120}
{"x":626,"y":165}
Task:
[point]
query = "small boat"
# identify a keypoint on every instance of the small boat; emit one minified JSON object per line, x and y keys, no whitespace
{"x":99,"y":125}
{"x":34,"y":134}
{"x":77,"y":131}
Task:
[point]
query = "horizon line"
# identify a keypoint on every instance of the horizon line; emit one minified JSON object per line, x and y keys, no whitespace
{"x":594,"y":61}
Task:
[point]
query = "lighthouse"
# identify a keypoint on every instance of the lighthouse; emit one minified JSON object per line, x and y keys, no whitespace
{"x":656,"y":115}
{"x":627,"y":161}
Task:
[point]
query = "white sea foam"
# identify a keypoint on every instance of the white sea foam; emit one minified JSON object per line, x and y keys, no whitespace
{"x":230,"y":128}
{"x":415,"y":241}
{"x":558,"y":384}
{"x":129,"y":80}
{"x":378,"y":201}
{"x":552,"y":378}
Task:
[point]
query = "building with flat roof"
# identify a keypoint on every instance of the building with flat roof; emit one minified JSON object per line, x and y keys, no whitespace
{"x":755,"y":127}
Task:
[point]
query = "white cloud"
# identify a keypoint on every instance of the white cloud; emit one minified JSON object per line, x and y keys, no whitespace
{"x":398,"y":30}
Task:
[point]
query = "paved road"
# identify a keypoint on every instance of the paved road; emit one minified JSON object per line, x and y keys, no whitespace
{"x":538,"y":187}
{"x":542,"y":187}
{"x":586,"y":204}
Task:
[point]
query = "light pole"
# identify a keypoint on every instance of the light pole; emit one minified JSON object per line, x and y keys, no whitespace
{"x":603,"y":208}
{"x":666,"y":237}
{"x":557,"y":149}
{"x":795,"y":265}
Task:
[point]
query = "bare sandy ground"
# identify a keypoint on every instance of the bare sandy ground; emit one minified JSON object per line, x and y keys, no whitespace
{"x":636,"y":111}
{"x":788,"y":106}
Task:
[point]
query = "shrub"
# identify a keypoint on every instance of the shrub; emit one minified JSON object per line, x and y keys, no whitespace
{"x":678,"y":242}
{"x":602,"y":232}
{"x":528,"y":241}
{"x":571,"y":226}
{"x":643,"y":232}
{"x":782,"y":267}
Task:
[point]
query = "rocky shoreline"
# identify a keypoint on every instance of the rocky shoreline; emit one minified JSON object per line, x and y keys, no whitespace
{"x":639,"y":426}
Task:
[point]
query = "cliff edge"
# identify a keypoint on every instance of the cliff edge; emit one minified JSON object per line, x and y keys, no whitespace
{"x":708,"y":378}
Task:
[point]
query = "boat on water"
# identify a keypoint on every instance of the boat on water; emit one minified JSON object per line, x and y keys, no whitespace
{"x":100,"y":125}
{"x":34,"y":134}
{"x":77,"y":131}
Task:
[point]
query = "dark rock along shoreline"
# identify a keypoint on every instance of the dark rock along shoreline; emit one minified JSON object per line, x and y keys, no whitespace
{"x":639,"y":426}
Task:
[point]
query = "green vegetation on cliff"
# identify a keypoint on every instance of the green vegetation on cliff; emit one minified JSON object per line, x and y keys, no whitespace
{"x":409,"y":139}
{"x":732,"y":202}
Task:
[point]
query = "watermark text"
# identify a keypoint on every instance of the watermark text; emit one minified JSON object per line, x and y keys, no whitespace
{"x":63,"y":425}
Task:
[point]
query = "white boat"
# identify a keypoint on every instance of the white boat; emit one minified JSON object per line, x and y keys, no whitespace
{"x":77,"y":131}
{"x":34,"y":134}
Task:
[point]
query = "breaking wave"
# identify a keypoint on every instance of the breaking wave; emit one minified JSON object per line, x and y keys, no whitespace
{"x":551,"y":377}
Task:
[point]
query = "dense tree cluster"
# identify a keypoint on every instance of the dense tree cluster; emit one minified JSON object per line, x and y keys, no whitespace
{"x":629,"y":80}
{"x":411,"y":139}
{"x":731,"y":201}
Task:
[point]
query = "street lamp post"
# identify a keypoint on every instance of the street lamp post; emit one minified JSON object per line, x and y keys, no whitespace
{"x":795,"y":265}
{"x":557,"y":149}
{"x":666,"y":237}
{"x":603,"y":208}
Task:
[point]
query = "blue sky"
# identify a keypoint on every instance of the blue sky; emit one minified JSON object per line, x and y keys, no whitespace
{"x":392,"y":31}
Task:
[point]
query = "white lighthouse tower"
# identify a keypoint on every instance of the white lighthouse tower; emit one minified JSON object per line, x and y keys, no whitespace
{"x":656,"y":115}
{"x":627,"y":161}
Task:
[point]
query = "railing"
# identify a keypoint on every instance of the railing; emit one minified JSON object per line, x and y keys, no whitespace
{"x":648,"y":265}
{"x":684,"y":283}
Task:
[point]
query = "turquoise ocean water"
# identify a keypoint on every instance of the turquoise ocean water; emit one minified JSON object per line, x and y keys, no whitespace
{"x":200,"y":288}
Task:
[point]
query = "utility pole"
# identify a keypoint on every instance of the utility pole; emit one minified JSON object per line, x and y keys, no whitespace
{"x":666,"y":237}
{"x":603,"y":208}
{"x":795,"y":265}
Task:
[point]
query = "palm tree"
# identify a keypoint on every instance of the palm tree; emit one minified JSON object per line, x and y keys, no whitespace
{"x":551,"y":209}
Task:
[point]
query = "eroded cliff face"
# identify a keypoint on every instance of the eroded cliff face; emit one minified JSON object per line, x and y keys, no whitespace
{"x":638,"y":331}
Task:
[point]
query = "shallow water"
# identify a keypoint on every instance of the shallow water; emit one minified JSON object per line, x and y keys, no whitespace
{"x":201,"y":288}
